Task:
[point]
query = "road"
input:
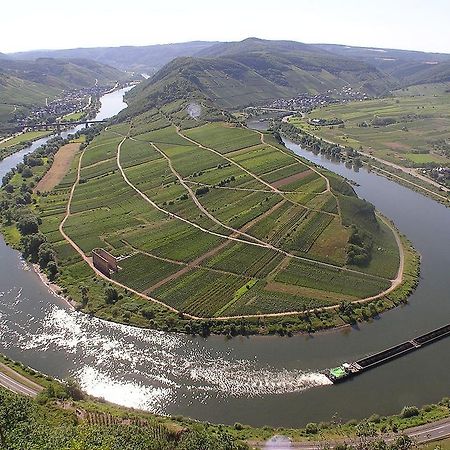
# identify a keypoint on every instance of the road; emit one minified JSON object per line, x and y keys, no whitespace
{"x":409,"y":171}
{"x":13,"y":381}
{"x":424,"y":433}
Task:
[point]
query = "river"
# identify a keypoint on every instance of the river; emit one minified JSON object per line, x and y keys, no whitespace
{"x":259,"y":380}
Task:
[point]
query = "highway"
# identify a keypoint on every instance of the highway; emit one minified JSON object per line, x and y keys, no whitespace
{"x":424,"y":433}
{"x":19,"y":384}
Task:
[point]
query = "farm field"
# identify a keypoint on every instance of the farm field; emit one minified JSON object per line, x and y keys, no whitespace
{"x":24,"y":137}
{"x":215,"y":221}
{"x":61,"y":165}
{"x":411,"y":128}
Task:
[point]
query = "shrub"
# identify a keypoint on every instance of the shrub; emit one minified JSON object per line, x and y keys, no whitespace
{"x":312,"y":428}
{"x":111,"y":295}
{"x":409,"y":411}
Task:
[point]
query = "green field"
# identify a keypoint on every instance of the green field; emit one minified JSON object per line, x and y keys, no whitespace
{"x":74,"y":116}
{"x":216,"y":236}
{"x":411,"y":128}
{"x":24,"y":137}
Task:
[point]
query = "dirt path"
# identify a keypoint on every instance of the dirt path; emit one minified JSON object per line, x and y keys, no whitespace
{"x":210,"y":253}
{"x":256,"y":177}
{"x":197,"y":201}
{"x":89,"y":260}
{"x":327,"y":181}
{"x":196,"y":262}
{"x":271,"y":188}
{"x":257,"y":244}
{"x":61,"y":165}
{"x":394,"y":284}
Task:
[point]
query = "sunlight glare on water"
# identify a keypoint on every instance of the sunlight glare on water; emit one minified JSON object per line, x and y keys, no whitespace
{"x":150,"y":369}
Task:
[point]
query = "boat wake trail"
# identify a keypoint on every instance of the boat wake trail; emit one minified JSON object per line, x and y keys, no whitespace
{"x":149,"y":369}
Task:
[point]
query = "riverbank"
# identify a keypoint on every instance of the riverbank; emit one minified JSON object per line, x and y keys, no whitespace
{"x":20,"y":141}
{"x":263,"y":380}
{"x":429,"y":423}
{"x":91,"y":299}
{"x":401,"y":175}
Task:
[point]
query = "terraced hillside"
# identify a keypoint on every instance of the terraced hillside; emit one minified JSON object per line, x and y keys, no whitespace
{"x":216,"y":220}
{"x":237,"y":74}
{"x":27,"y":84}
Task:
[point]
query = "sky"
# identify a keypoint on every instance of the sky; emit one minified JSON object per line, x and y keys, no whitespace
{"x":54,"y":24}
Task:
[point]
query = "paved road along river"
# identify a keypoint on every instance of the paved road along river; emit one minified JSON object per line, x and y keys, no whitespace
{"x":258,"y":380}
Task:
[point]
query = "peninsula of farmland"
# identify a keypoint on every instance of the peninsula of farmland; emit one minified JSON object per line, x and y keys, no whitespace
{"x":214,"y":220}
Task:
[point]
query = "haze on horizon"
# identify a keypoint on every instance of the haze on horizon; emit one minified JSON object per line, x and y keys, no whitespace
{"x":51,"y":24}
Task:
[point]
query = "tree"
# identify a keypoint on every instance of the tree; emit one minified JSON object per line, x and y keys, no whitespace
{"x":111,"y":295}
{"x":31,"y":244}
{"x":52,"y":269}
{"x":28,"y":225}
{"x":27,"y":172}
{"x":46,"y":254}
{"x":312,"y":428}
{"x":410,"y":411}
{"x":73,"y":389}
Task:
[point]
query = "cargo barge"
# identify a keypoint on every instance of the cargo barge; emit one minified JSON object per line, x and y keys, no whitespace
{"x":348,"y":370}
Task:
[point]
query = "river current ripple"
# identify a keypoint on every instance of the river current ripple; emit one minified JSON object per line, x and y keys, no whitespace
{"x":139,"y":368}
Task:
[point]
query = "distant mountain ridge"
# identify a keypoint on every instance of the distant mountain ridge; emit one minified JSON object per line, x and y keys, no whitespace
{"x":406,"y":66}
{"x":139,"y":59}
{"x":403,"y":67}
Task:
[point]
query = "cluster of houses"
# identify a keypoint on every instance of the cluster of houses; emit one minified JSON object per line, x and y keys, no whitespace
{"x":439,"y":174}
{"x":306,"y":102}
{"x":69,"y":101}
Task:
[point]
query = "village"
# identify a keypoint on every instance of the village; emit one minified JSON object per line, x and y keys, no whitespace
{"x":70,"y":102}
{"x":305,"y":102}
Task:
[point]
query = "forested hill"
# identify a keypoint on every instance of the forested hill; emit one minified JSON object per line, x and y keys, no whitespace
{"x":243,"y":73}
{"x":61,"y":73}
{"x":280,"y":65}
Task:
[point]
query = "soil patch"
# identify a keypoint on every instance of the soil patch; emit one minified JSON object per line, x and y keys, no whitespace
{"x":291,"y":179}
{"x":61,"y":165}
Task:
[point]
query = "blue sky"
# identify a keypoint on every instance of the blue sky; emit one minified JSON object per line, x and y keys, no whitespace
{"x":405,"y":24}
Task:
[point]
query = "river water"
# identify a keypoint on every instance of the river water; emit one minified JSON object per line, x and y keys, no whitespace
{"x":259,"y":380}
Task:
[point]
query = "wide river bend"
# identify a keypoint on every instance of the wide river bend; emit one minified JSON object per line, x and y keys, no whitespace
{"x":258,"y":380}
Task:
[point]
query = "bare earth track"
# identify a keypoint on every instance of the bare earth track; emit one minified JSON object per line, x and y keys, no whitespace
{"x":61,"y":165}
{"x":235,"y":236}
